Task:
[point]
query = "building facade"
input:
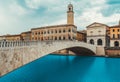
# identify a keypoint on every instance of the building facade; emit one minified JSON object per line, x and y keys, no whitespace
{"x":81,"y":35}
{"x":57,"y":32}
{"x":115,"y":36}
{"x":97,"y":34}
{"x":26,"y":36}
{"x":11,"y":37}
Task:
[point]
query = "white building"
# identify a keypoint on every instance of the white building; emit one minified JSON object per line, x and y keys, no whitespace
{"x":97,"y":34}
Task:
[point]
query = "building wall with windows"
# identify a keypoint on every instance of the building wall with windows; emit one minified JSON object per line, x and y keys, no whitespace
{"x":115,"y":36}
{"x":26,"y":36}
{"x":97,"y":34}
{"x":57,"y":32}
{"x":11,"y":37}
{"x":81,"y":36}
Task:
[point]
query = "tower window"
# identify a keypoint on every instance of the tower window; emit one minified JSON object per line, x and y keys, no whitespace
{"x":69,"y":9}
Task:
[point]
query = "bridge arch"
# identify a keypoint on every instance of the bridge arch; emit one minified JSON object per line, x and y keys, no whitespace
{"x":81,"y":51}
{"x":21,"y":53}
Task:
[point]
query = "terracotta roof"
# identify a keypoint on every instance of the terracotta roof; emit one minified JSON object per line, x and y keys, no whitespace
{"x":82,"y":31}
{"x":116,"y":26}
{"x":26,"y":32}
{"x":53,"y":26}
{"x":10,"y":35}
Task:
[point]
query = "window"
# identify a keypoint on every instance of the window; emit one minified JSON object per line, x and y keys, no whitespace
{"x":91,"y":41}
{"x":118,"y":30}
{"x":44,"y":32}
{"x":36,"y":38}
{"x":113,"y":36}
{"x":51,"y":31}
{"x":55,"y":38}
{"x":113,"y":30}
{"x":69,"y":30}
{"x":69,"y":37}
{"x":59,"y":31}
{"x":99,"y":42}
{"x":63,"y":37}
{"x":39,"y":33}
{"x":55,"y":31}
{"x":116,"y":44}
{"x":64,"y":30}
{"x":118,"y":36}
{"x":69,"y":9}
{"x":59,"y":38}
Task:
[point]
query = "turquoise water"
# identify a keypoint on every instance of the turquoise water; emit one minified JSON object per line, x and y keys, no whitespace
{"x":56,"y":68}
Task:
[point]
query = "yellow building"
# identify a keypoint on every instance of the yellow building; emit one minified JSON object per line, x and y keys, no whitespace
{"x":57,"y":32}
{"x":26,"y":36}
{"x":11,"y":37}
{"x":115,"y":36}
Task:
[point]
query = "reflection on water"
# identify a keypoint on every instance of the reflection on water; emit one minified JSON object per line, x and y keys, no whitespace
{"x":56,"y":68}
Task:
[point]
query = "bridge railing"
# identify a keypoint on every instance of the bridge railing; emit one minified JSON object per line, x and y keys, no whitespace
{"x":13,"y":43}
{"x":21,"y":43}
{"x":4,"y":44}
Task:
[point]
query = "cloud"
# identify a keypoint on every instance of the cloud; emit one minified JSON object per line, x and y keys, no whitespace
{"x":89,"y":17}
{"x":17,"y":16}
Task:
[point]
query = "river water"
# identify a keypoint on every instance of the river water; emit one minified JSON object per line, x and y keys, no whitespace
{"x":59,"y":68}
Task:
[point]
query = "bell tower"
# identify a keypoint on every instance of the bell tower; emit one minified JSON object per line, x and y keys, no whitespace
{"x":70,"y":15}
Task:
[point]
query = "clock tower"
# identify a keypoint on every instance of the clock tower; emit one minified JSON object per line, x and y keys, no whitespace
{"x":70,"y":15}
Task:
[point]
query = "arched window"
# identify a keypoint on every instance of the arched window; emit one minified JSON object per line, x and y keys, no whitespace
{"x":91,"y":41}
{"x":63,"y":37}
{"x":116,"y":44}
{"x":48,"y":31}
{"x":55,"y":31}
{"x":69,"y":30}
{"x":59,"y":31}
{"x":59,"y":38}
{"x":64,"y":30}
{"x":99,"y":42}
{"x":55,"y":38}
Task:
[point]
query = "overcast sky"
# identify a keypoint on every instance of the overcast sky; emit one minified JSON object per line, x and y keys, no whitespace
{"x":17,"y":16}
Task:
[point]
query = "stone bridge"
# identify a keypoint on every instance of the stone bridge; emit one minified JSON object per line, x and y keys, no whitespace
{"x":16,"y":54}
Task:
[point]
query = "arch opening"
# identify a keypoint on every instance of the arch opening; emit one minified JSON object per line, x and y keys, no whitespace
{"x":116,"y":44}
{"x":80,"y":51}
{"x":91,"y":41}
{"x":99,"y":42}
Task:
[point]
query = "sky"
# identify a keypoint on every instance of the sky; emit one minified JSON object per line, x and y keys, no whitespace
{"x":18,"y":16}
